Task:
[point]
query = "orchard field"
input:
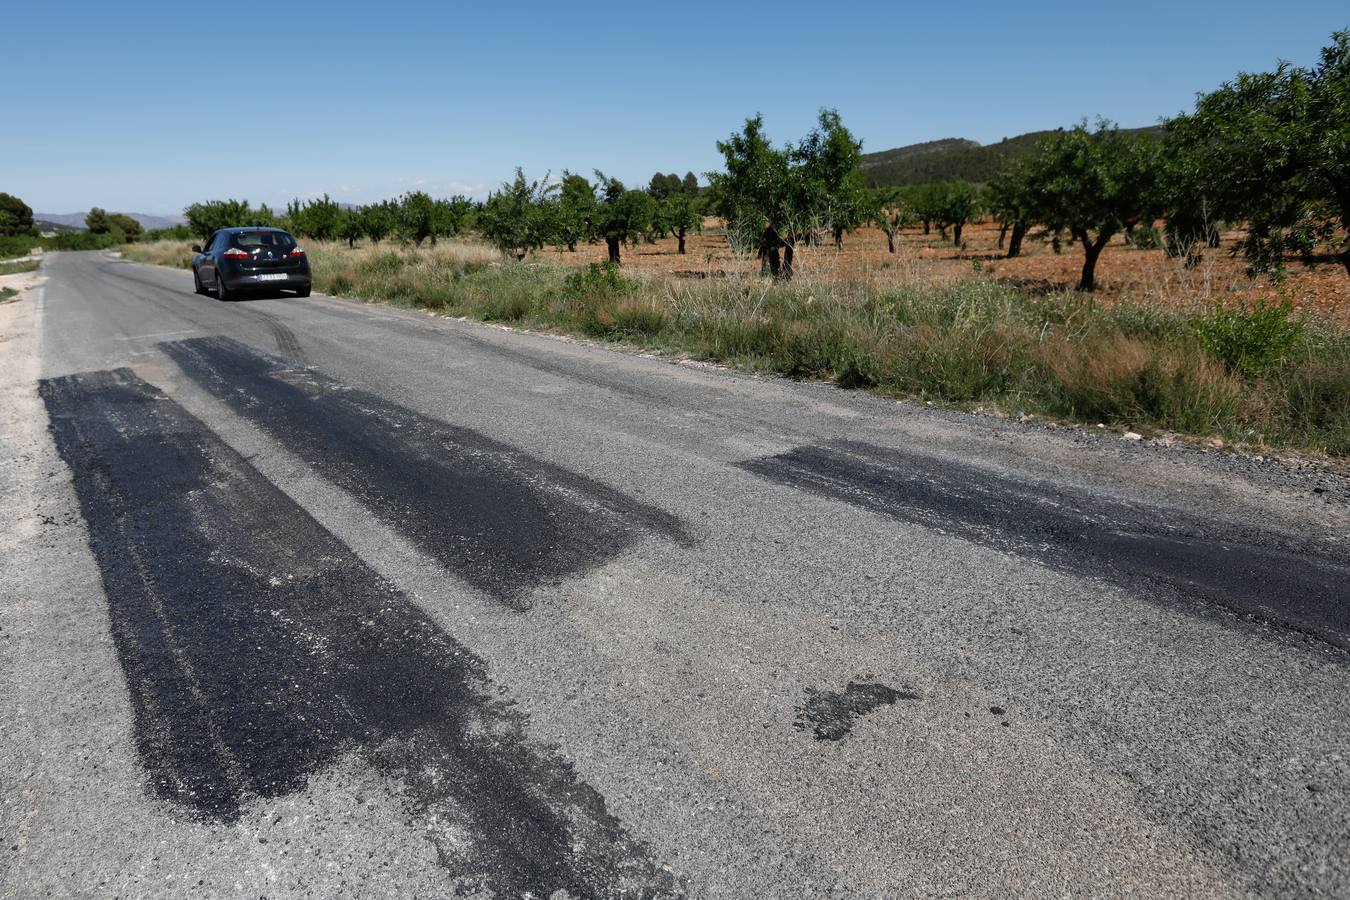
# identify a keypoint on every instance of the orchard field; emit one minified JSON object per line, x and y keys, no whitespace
{"x":1125,"y":272}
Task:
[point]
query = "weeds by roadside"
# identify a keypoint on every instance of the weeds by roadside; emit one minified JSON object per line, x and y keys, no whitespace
{"x":14,"y":268}
{"x":1256,"y":375}
{"x":7,"y":294}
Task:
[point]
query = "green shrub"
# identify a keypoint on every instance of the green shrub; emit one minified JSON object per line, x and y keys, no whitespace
{"x":1250,"y":339}
{"x":598,"y":280}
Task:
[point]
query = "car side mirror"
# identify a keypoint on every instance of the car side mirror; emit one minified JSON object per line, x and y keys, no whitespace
{"x":196,"y":248}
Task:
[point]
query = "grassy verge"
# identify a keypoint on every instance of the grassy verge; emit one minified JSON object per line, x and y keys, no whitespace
{"x":1255,"y":376}
{"x":7,"y":294}
{"x":14,"y":268}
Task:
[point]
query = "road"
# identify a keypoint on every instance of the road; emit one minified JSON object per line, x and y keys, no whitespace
{"x":313,"y":598}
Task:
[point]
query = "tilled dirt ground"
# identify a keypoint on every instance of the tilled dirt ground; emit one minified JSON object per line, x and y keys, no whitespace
{"x":1122,"y":271}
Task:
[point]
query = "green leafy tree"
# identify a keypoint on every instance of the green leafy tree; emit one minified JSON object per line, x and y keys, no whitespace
{"x":892,"y":211}
{"x":451,"y":217}
{"x":519,"y":217}
{"x":927,"y":201}
{"x":97,"y":221}
{"x":1273,"y":149}
{"x":1095,"y":185}
{"x":689,"y":183}
{"x":574,"y":218}
{"x":831,"y":169}
{"x":379,"y":220}
{"x":1011,"y":201}
{"x":622,"y":216}
{"x":205,"y":218}
{"x":16,"y":217}
{"x":760,"y":197}
{"x":351,"y":226}
{"x":320,"y":219}
{"x":125,"y":225}
{"x":663,"y":186}
{"x":417,"y":217}
{"x":678,"y":214}
{"x":955,"y":204}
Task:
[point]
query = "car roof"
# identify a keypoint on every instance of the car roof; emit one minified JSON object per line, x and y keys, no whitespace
{"x":240,"y":228}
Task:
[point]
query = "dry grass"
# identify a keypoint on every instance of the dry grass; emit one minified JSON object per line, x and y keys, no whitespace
{"x":912,"y":326}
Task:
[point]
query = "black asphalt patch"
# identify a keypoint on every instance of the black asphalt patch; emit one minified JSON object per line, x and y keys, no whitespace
{"x":259,"y":649}
{"x":499,"y":518}
{"x":830,"y":714}
{"x":1246,"y":571}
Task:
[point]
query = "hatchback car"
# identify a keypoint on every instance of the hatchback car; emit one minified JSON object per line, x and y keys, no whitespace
{"x":236,"y":260}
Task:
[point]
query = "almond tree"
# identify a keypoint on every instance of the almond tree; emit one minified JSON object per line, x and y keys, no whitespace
{"x":621,"y":216}
{"x":763,"y":197}
{"x":519,"y":217}
{"x":1273,"y":149}
{"x":1094,"y":185}
{"x":892,"y":211}
{"x":831,"y":162}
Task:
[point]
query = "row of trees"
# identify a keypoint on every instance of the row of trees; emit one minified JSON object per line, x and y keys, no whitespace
{"x":100,"y":221}
{"x":521,"y":217}
{"x":1270,"y":150}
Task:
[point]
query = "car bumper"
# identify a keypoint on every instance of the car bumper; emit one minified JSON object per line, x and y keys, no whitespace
{"x":246,"y":281}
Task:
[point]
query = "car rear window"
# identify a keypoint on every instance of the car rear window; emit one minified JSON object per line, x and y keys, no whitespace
{"x":251,"y":240}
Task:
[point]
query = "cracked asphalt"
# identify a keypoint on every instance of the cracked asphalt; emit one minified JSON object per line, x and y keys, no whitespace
{"x":306,"y":598}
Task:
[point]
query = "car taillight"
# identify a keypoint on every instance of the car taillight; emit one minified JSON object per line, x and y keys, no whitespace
{"x":235,"y":253}
{"x":296,"y":252}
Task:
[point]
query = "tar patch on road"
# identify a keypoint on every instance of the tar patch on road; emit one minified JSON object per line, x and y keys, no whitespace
{"x":499,"y":518}
{"x":258,"y":648}
{"x":1248,"y":572}
{"x":830,"y":714}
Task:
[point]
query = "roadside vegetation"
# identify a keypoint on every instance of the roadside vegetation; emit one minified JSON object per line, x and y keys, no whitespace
{"x":1256,"y":376}
{"x":14,"y":268}
{"x":1263,"y":164}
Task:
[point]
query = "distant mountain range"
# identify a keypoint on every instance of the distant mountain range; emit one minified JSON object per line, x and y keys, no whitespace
{"x":76,"y":220}
{"x":952,"y":158}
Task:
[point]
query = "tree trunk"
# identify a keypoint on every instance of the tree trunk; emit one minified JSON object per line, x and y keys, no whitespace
{"x":351,"y":243}
{"x":679,"y":236}
{"x":1002,"y":233}
{"x":1091,"y":250}
{"x":613,"y":245}
{"x":956,"y":234}
{"x":926,"y":226}
{"x":890,"y":242}
{"x":787,"y":260}
{"x":838,"y":238}
{"x":1019,"y":231}
{"x":571,"y":246}
{"x":942,"y":232}
{"x":433,"y":239}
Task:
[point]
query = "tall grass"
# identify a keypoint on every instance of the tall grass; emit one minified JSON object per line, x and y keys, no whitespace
{"x":1255,"y":376}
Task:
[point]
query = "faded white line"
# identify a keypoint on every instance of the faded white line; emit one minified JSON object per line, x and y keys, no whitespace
{"x":146,"y":337}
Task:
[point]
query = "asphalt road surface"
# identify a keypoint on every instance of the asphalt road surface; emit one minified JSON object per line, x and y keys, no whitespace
{"x":310,"y":598}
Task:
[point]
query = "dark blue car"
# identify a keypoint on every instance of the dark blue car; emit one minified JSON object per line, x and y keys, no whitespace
{"x":236,"y":260}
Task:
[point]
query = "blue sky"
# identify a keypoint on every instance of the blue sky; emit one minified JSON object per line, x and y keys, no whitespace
{"x":147,"y":107}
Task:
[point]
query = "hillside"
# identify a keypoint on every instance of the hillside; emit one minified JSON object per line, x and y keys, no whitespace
{"x":951,"y":158}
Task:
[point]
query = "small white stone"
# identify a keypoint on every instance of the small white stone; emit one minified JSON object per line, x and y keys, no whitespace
{"x":1133,"y":436}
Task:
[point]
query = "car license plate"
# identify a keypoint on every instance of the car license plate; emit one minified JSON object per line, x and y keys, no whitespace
{"x":280,"y":276}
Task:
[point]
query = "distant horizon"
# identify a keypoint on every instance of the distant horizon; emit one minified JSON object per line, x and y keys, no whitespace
{"x":143,"y":112}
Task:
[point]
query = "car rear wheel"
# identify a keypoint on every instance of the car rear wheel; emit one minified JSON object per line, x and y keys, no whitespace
{"x":302,"y":292}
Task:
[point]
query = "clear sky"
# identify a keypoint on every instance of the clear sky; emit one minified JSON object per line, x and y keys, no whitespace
{"x":145,"y":107}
